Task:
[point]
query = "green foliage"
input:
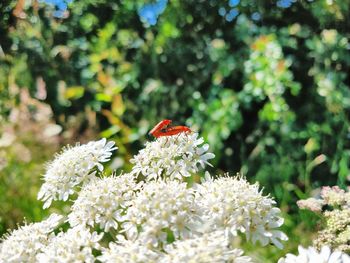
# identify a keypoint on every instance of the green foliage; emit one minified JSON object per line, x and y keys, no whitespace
{"x":28,"y":137}
{"x":271,"y":95}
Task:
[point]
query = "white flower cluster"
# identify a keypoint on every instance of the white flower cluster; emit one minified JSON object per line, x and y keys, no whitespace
{"x":311,"y":255}
{"x":103,"y":201}
{"x":128,"y":251}
{"x":172,"y":157}
{"x":23,"y":244}
{"x":159,"y":208}
{"x":75,"y":245}
{"x":335,"y":196}
{"x":232,"y":203}
{"x":150,"y":214}
{"x":212,"y":247}
{"x":312,"y":204}
{"x":72,"y":167}
{"x":334,"y":208}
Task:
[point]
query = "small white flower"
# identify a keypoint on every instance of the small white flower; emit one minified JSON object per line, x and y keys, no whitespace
{"x":172,"y":157}
{"x":23,"y":244}
{"x":103,"y":201}
{"x":211,"y":247}
{"x":128,"y":251}
{"x":75,"y":245}
{"x":234,"y":204}
{"x":311,"y":255}
{"x":72,"y":167}
{"x":159,"y":208}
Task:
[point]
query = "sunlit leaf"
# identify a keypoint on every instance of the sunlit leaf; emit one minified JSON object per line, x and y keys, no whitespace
{"x":74,"y":92}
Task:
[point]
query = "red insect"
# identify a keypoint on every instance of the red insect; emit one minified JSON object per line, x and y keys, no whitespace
{"x":162,"y":125}
{"x":163,"y":129}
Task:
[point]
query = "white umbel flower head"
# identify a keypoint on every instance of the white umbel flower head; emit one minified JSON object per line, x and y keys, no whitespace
{"x":72,"y":167}
{"x":75,"y":245}
{"x":129,"y":252}
{"x":231,"y":203}
{"x":211,"y":247}
{"x":172,"y":157}
{"x":103,"y":201}
{"x":23,"y":244}
{"x":311,"y":255}
{"x":159,"y":208}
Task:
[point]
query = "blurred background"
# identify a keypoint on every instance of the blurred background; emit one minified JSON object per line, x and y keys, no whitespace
{"x":266,"y":83}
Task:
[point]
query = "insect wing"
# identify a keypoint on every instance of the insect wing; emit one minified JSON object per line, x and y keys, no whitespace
{"x":161,"y":125}
{"x":173,"y":131}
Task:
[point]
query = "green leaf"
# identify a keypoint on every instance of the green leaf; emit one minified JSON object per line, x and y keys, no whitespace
{"x":74,"y":92}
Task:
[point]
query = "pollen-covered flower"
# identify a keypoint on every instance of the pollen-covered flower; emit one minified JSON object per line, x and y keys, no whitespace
{"x":129,"y":251}
{"x":311,"y":255}
{"x":210,"y":247}
{"x":233,"y":204}
{"x":72,"y":167}
{"x":23,"y":244}
{"x":103,"y":201}
{"x":161,"y":208}
{"x":172,"y":157}
{"x":75,"y":245}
